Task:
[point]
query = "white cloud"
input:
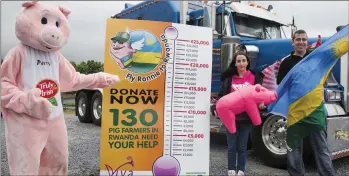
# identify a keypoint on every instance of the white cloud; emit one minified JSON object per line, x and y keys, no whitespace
{"x":313,"y":16}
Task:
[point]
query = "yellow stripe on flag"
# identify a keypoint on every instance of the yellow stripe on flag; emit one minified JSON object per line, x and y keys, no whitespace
{"x":305,"y":105}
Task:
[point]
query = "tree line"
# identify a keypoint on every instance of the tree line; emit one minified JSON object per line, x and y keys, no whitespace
{"x":88,"y":67}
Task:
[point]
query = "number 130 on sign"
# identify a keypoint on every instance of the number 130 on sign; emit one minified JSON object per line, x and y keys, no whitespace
{"x":132,"y":117}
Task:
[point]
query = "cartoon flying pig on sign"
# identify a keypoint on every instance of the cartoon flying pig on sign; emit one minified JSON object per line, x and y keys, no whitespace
{"x":33,"y":75}
{"x":122,"y":48}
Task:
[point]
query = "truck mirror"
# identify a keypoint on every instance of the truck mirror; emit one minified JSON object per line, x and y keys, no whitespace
{"x":209,"y":16}
{"x":206,"y":15}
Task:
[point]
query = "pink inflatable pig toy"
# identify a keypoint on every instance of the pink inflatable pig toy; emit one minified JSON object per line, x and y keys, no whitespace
{"x":33,"y":75}
{"x":243,"y":100}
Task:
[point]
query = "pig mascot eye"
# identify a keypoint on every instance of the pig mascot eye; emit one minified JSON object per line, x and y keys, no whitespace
{"x":43,"y":20}
{"x":258,"y":88}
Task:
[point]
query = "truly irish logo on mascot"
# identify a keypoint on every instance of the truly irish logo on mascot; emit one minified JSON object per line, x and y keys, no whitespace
{"x":140,"y":53}
{"x":49,"y":89}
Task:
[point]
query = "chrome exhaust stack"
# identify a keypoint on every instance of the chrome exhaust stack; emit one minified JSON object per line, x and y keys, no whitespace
{"x":228,"y":49}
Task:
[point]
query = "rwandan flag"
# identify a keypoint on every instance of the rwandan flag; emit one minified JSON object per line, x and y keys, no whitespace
{"x":301,"y":92}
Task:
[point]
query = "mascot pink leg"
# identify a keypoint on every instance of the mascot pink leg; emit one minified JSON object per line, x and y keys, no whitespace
{"x":227,"y":107}
{"x":253,"y":111}
{"x":228,"y":118}
{"x":33,"y":75}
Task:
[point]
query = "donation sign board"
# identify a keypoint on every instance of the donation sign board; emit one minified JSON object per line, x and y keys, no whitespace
{"x":156,"y":121}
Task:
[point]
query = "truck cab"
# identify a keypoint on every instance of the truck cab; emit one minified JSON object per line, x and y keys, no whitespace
{"x":259,"y":32}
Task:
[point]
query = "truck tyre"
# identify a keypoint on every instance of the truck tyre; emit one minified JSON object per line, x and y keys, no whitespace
{"x":269,"y":141}
{"x":96,"y":108}
{"x":82,"y":107}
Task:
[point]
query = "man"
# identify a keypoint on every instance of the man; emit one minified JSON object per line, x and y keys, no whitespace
{"x":299,"y":42}
{"x":295,"y":165}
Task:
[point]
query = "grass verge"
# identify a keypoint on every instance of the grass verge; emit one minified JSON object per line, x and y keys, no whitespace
{"x":69,"y":111}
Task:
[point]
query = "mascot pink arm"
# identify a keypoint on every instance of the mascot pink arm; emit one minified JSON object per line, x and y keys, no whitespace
{"x":243,"y":100}
{"x":32,"y":76}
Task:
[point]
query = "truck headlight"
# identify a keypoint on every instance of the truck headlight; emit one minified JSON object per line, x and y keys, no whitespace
{"x":333,"y":95}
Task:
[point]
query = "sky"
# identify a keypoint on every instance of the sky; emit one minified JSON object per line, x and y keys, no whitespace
{"x":88,"y":22}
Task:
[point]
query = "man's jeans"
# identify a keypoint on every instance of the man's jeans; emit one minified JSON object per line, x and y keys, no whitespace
{"x":237,"y":143}
{"x":318,"y":142}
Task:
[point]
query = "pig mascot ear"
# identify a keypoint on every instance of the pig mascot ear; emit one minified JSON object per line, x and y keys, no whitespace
{"x":28,"y":4}
{"x":65,"y":11}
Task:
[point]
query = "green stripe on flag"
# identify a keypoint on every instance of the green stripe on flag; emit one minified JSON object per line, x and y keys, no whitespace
{"x":313,"y":122}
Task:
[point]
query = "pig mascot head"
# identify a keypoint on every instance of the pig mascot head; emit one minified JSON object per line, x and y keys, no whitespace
{"x":261,"y":94}
{"x":43,"y":26}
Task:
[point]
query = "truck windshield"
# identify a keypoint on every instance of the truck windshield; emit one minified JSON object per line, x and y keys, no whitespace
{"x":250,"y":26}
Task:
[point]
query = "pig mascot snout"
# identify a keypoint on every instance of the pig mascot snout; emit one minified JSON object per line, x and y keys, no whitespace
{"x":33,"y":75}
{"x":243,"y":100}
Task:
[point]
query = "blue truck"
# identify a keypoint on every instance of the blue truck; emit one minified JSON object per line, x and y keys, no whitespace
{"x":259,"y":32}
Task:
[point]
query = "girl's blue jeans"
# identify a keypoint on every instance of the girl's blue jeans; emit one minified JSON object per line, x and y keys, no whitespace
{"x":237,"y":145}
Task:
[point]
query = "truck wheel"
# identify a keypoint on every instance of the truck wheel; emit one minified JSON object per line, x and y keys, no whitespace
{"x":269,"y":140}
{"x":82,"y":108}
{"x":96,"y":107}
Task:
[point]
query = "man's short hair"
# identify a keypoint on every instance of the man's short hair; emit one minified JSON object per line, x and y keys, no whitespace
{"x":339,"y":28}
{"x":300,"y":31}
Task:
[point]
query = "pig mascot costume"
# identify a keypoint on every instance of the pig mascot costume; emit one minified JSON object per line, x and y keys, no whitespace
{"x":32,"y":76}
{"x":243,"y":100}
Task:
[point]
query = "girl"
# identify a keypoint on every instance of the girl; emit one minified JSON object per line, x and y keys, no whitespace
{"x":238,"y":76}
